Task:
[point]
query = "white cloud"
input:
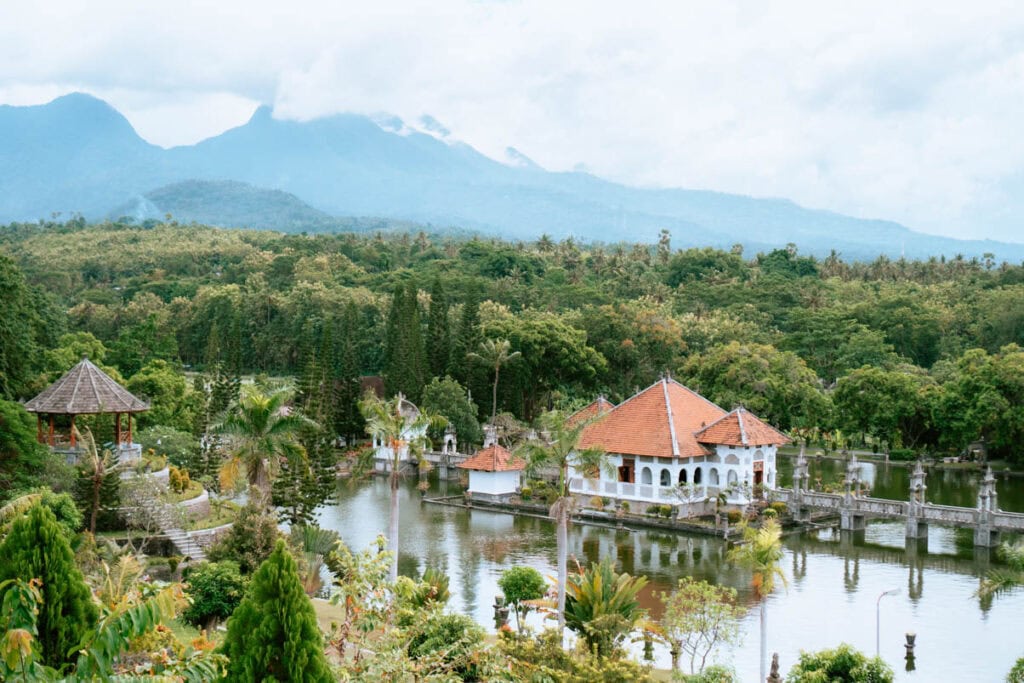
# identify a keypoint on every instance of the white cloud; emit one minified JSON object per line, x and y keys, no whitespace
{"x":908,"y":111}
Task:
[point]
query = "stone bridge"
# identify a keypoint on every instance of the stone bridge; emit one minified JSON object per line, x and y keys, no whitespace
{"x":854,"y":510}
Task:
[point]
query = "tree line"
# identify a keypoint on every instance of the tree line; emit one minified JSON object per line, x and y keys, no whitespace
{"x":919,"y":355}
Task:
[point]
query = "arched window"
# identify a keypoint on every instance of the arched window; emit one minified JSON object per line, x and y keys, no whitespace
{"x":682,"y":476}
{"x":732,"y":479}
{"x":666,"y":477}
{"x":758,"y":454}
{"x":645,"y":476}
{"x":696,"y":475}
{"x":713,"y":476}
{"x":732,"y":459}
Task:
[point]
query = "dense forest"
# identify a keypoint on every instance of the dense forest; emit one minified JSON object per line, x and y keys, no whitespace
{"x":910,"y":355}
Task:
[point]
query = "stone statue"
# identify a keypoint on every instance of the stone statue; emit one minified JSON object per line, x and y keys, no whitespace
{"x":773,"y":676}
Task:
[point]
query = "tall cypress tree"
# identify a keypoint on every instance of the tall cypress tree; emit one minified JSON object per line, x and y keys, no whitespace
{"x":438,"y":333}
{"x":36,"y":548}
{"x":393,"y":342}
{"x":273,"y":634}
{"x":404,"y":355}
{"x":348,"y":421}
{"x":415,"y":352}
{"x":466,"y":340}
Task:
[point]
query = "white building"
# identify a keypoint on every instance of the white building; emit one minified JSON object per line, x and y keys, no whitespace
{"x":669,"y":444}
{"x":494,"y":472}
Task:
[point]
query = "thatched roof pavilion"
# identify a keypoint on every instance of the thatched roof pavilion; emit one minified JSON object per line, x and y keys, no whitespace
{"x":85,"y":390}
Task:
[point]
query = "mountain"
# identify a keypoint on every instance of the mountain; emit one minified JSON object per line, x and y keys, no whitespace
{"x":226,"y":203}
{"x":78,"y":154}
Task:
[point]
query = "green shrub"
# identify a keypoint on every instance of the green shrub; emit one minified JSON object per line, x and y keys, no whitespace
{"x":902,"y":454}
{"x":454,"y":638}
{"x":770,"y":513}
{"x":525,"y":493}
{"x":840,"y":665}
{"x":597,"y":502}
{"x":544,"y":659}
{"x":249,"y":541}
{"x":779,"y":507}
{"x":734,"y":516}
{"x":216,"y":588}
{"x":667,"y":511}
{"x":624,"y":506}
{"x":713,"y":674}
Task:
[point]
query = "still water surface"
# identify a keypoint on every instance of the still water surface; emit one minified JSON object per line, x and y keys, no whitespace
{"x":834,"y":581}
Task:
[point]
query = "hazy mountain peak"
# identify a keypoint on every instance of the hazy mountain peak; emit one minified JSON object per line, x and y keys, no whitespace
{"x":79,"y":154}
{"x":513,"y":157}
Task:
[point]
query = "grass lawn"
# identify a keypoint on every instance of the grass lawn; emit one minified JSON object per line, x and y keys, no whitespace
{"x":326,"y":613}
{"x":219,"y":517}
{"x":194,"y":490}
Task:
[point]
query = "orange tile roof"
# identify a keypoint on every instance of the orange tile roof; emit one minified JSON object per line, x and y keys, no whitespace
{"x":741,"y":428}
{"x":595,"y":409}
{"x":659,"y":421}
{"x":494,"y":458}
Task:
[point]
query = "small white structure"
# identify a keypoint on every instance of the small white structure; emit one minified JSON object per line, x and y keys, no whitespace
{"x":493,"y":472}
{"x":669,"y":444}
{"x":384,"y":454}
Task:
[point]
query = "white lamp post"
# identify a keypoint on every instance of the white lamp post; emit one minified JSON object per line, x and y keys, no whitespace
{"x":878,"y":619}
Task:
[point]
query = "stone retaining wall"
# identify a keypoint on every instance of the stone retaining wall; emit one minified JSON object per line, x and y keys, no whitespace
{"x":204,"y":538}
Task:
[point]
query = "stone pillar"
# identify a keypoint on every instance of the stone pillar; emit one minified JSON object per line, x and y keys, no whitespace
{"x":450,"y":441}
{"x":490,"y":435}
{"x":852,"y":479}
{"x":985,"y":535}
{"x":849,"y":520}
{"x":917,"y":528}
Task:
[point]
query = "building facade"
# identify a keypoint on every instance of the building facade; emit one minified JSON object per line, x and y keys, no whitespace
{"x":669,"y":444}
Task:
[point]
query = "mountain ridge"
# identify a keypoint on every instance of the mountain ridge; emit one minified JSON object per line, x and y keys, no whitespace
{"x":79,"y":154}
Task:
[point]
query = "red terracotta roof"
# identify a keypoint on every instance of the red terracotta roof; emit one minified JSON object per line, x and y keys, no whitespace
{"x":595,"y":409}
{"x":660,"y":421}
{"x":741,"y":428}
{"x":494,"y":459}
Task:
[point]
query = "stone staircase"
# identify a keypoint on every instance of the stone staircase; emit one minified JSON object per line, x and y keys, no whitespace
{"x":176,"y":535}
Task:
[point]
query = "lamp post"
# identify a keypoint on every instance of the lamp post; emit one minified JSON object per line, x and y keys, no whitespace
{"x":878,"y":619}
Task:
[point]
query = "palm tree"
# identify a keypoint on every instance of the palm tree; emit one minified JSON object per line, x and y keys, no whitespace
{"x":760,"y":551}
{"x":562,"y":450}
{"x":400,"y":426}
{"x":95,"y":468}
{"x":262,"y":429}
{"x":494,"y":353}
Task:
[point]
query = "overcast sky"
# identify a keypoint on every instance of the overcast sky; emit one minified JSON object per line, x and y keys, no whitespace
{"x":905,"y":110}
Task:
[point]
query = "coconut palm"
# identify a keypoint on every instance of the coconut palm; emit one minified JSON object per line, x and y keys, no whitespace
{"x":761,"y":551}
{"x":494,"y":353}
{"x":561,"y":449}
{"x":95,"y":468}
{"x":398,"y":425}
{"x":262,"y":430}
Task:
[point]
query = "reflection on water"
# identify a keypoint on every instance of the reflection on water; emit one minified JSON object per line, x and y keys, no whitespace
{"x":834,"y":579}
{"x":892,"y":481}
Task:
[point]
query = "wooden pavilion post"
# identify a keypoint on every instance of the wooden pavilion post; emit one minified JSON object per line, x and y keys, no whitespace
{"x":39,"y":428}
{"x":51,"y":431}
{"x":117,"y":430}
{"x":72,"y":431}
{"x":130,"y":441}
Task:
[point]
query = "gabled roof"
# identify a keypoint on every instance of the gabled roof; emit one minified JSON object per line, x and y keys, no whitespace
{"x":494,"y":458}
{"x":659,"y":421}
{"x":85,"y":390}
{"x":598,"y":407}
{"x":741,"y":428}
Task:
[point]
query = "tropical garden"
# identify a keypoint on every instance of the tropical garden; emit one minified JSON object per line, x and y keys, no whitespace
{"x":255,"y":351}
